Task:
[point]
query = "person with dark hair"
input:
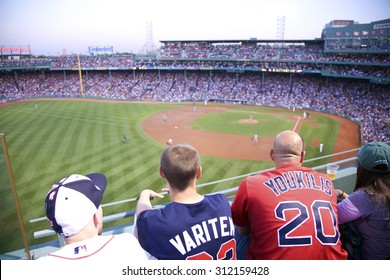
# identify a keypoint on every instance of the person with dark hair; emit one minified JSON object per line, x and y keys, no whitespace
{"x":368,"y":206}
{"x":192,"y":226}
{"x":289,"y":212}
{"x":74,"y":211}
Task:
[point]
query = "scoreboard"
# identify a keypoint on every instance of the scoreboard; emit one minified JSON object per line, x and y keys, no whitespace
{"x":100,"y":50}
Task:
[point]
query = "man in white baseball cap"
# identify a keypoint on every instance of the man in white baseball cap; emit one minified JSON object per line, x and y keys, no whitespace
{"x":73,"y":209}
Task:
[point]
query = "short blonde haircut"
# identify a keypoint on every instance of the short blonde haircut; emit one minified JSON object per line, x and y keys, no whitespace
{"x":180,"y":163}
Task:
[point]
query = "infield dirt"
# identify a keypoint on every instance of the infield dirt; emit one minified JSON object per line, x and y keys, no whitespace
{"x":234,"y":146}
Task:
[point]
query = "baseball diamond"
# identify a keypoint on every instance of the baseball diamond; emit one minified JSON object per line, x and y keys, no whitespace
{"x":222,"y":144}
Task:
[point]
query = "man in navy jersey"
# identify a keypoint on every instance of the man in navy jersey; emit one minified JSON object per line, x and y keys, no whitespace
{"x":192,"y":226}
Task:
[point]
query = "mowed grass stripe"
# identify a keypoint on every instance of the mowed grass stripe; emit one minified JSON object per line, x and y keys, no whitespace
{"x":52,"y":170}
{"x":134,"y":176}
{"x":73,"y":133}
{"x":28,"y":158}
{"x":53,"y":144}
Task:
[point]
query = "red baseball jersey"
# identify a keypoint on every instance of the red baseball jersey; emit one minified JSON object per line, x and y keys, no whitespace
{"x":292,"y":214}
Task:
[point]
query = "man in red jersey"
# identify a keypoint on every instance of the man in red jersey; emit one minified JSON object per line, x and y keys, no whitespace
{"x":289,"y":212}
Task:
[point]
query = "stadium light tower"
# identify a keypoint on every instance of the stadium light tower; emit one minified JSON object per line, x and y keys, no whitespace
{"x":280,"y":28}
{"x":149,"y":47}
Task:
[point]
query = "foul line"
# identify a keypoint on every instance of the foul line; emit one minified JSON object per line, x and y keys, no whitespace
{"x":296,"y":124}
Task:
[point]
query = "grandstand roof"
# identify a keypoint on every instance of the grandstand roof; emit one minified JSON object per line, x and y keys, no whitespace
{"x":317,"y":40}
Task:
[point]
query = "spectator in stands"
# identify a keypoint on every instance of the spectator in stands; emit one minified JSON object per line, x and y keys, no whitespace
{"x":360,"y":101}
{"x":73,"y":210}
{"x":368,"y":206}
{"x":192,"y":226}
{"x":289,"y":212}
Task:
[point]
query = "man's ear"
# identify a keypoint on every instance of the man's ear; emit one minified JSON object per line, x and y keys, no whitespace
{"x":303,"y":153}
{"x":271,"y":154}
{"x":199,"y":172}
{"x":98,"y":217}
{"x":161,"y":173}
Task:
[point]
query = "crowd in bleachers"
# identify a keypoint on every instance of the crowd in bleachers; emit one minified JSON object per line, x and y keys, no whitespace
{"x":92,"y":61}
{"x":356,"y":99}
{"x":253,"y":76}
{"x":193,"y":55}
{"x":276,"y":51}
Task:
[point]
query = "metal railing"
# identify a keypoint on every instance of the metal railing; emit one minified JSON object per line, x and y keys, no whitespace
{"x":227,"y":192}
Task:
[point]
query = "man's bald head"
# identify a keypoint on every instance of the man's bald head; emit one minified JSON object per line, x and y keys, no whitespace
{"x":288,"y":147}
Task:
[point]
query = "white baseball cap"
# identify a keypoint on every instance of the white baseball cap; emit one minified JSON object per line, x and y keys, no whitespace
{"x":72,"y":202}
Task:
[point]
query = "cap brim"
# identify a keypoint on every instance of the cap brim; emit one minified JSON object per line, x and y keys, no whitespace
{"x":99,"y":180}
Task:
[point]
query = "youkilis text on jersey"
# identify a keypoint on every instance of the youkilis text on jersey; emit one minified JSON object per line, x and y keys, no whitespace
{"x":292,"y":180}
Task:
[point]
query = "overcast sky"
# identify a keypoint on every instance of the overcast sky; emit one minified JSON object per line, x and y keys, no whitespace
{"x":52,"y":26}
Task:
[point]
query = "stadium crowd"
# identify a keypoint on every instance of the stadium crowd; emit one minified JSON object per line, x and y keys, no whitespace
{"x":195,"y":55}
{"x":356,"y":99}
{"x":283,"y":74}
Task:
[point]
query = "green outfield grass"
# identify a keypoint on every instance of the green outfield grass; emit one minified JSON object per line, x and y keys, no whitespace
{"x":65,"y":137}
{"x":270,"y":122}
{"x":227,"y":122}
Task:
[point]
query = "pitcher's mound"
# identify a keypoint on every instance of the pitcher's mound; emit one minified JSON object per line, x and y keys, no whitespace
{"x":248,"y":121}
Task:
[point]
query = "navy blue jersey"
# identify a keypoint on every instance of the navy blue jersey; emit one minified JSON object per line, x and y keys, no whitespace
{"x":202,"y":230}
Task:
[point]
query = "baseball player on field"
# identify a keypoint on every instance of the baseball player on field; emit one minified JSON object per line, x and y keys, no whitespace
{"x":255,"y":138}
{"x":191,"y":226}
{"x":289,"y":212}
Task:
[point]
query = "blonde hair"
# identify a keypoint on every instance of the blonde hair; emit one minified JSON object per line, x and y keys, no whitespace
{"x":180,"y":163}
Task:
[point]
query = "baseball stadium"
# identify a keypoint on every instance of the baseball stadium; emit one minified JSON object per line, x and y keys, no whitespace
{"x":114,"y":113}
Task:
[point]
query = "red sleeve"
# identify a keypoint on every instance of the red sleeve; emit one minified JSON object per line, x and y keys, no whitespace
{"x":239,"y":206}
